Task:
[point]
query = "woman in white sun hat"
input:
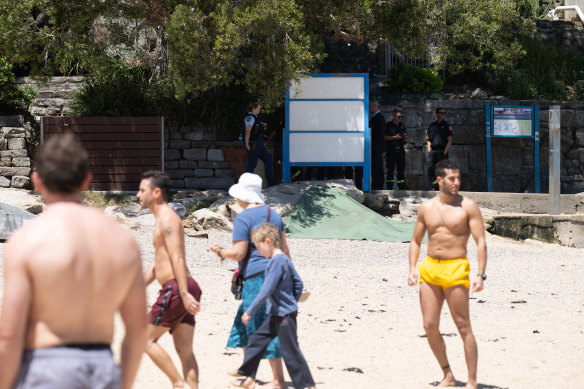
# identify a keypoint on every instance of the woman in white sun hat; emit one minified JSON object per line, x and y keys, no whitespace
{"x":248,"y":192}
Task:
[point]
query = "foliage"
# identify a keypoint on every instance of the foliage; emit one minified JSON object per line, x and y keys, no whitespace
{"x":260,"y":45}
{"x":102,"y":200}
{"x":13,"y":98}
{"x":120,"y":90}
{"x":533,"y":9}
{"x":463,"y":35}
{"x":406,"y":78}
{"x":544,"y":72}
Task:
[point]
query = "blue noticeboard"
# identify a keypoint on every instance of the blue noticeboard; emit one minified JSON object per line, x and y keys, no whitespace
{"x":511,"y":121}
{"x":327,"y":123}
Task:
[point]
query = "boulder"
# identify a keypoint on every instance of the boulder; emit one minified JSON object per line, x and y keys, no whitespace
{"x":12,"y":218}
{"x":205,"y":219}
{"x":180,"y":209}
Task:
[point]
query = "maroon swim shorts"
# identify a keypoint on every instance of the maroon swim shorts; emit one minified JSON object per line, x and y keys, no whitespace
{"x":168,"y":310}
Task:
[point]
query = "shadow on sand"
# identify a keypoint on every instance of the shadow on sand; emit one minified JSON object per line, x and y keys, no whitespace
{"x":462,"y":384}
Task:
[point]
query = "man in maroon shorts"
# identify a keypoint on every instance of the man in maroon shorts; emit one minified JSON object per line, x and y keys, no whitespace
{"x":180,"y":295}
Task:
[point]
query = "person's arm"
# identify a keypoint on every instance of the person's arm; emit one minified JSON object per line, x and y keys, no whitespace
{"x":247,"y":135}
{"x":133,"y":314}
{"x":297,"y":284}
{"x":414,"y":252}
{"x":284,"y":244}
{"x":448,"y":144}
{"x":174,"y":241}
{"x":477,"y":230}
{"x":149,"y":274}
{"x":273,"y":273}
{"x":15,"y":307}
{"x":237,"y":252}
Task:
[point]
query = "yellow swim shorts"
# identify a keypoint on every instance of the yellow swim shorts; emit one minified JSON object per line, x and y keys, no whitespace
{"x":445,"y":273}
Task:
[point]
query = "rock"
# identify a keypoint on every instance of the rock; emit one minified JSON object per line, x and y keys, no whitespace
{"x":128,"y":222}
{"x":12,"y":218}
{"x":205,"y":219}
{"x":180,"y":209}
{"x":4,"y":182}
{"x":23,"y":199}
{"x":20,"y":182}
{"x":146,"y":219}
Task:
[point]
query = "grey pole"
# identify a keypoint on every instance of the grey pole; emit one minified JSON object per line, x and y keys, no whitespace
{"x":554,"y":160}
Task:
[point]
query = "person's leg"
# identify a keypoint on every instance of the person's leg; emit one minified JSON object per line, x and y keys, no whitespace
{"x":278,"y":372}
{"x":359,"y":177}
{"x":252,"y":158}
{"x":160,"y":357}
{"x":266,"y":157}
{"x":390,"y":165}
{"x":401,"y":167}
{"x":431,"y":301}
{"x":457,"y":298}
{"x":254,"y":351}
{"x":182,"y":336}
{"x":377,"y":170}
{"x":434,"y":159}
{"x":293,"y":358}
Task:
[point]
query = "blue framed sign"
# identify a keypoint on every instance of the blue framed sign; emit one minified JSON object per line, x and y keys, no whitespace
{"x":512,"y":121}
{"x":327,"y":123}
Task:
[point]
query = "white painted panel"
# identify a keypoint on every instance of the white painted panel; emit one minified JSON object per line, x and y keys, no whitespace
{"x":327,"y":147}
{"x":328,"y":88}
{"x":327,"y":116}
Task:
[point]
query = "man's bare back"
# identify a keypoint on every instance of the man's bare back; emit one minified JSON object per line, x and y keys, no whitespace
{"x":78,"y":282}
{"x":67,"y":273}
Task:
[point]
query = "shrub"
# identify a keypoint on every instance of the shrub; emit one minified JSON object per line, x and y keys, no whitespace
{"x":122,"y":90}
{"x":13,"y":98}
{"x":406,"y":78}
{"x":545,"y":72}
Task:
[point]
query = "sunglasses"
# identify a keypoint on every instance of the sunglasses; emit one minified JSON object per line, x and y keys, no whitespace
{"x":399,"y":116}
{"x":442,"y":113}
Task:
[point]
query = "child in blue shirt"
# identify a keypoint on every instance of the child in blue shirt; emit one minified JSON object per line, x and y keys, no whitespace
{"x":282,"y":289}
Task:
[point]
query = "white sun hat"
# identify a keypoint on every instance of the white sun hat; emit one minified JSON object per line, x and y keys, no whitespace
{"x":248,"y":188}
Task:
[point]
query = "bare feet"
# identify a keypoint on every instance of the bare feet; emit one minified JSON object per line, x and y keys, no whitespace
{"x":472,"y":385}
{"x":234,"y":373}
{"x":248,"y":383}
{"x":448,"y":380}
{"x":179,"y":385}
{"x":274,"y":385}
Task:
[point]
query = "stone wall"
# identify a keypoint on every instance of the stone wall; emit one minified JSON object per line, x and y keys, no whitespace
{"x":194,"y":161}
{"x":53,"y":95}
{"x":512,"y":159}
{"x":561,"y":33}
{"x":15,"y":162}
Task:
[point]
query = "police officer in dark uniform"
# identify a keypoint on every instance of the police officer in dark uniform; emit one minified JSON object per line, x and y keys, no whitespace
{"x":254,"y":143}
{"x":395,"y":154}
{"x":439,"y":143}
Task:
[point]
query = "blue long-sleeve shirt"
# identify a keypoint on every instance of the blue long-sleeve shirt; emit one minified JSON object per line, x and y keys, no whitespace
{"x":282,"y":288}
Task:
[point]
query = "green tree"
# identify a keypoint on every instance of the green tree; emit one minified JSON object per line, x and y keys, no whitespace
{"x":461,"y":35}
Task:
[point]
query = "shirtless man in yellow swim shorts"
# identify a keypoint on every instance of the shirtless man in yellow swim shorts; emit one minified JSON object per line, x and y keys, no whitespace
{"x":449,"y":219}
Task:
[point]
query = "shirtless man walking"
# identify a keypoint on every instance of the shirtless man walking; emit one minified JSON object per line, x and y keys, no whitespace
{"x":179,"y":297}
{"x":66,"y":273}
{"x":449,"y":219}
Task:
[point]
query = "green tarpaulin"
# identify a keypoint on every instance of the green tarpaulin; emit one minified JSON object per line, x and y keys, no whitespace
{"x":330,"y":214}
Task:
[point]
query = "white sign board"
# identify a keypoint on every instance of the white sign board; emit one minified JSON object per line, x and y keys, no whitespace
{"x":327,"y":123}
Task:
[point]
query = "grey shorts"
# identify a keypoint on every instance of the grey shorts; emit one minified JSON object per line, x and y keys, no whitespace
{"x":68,"y":367}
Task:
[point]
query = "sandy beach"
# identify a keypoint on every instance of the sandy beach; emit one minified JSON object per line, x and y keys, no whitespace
{"x":362,"y":327}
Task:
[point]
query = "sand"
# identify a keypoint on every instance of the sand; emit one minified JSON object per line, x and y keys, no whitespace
{"x":362,"y":326}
